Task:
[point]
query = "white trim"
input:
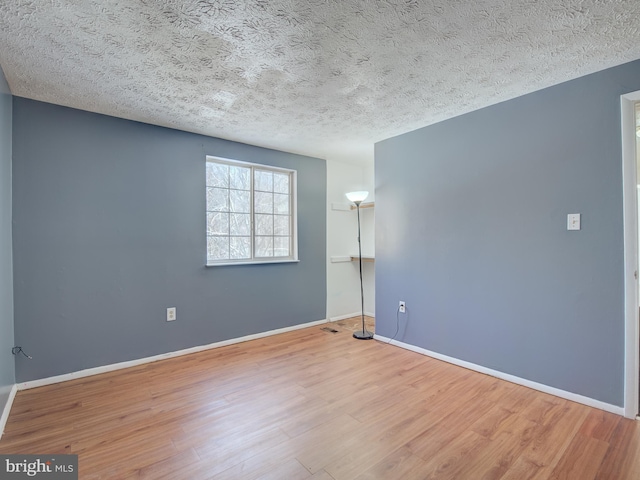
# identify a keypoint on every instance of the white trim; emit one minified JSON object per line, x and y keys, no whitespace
{"x":342,"y":317}
{"x":293,"y":212}
{"x":574,"y":397}
{"x":294,"y":215}
{"x":349,"y":315}
{"x":7,"y":409}
{"x":252,"y":262}
{"x":340,"y":258}
{"x":163,"y":356}
{"x":630,"y":215}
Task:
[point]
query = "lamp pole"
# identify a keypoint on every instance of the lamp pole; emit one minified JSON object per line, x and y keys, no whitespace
{"x":363,"y":334}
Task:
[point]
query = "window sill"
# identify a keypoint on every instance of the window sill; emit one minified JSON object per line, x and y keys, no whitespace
{"x":252,"y":262}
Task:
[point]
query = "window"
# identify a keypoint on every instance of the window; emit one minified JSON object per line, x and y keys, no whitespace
{"x":250,"y":213}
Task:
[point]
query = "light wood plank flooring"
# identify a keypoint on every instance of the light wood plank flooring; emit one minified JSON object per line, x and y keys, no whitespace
{"x":313,"y":404}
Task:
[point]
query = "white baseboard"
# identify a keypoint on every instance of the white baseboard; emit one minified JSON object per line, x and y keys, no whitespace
{"x":342,"y":317}
{"x":574,"y":397}
{"x":132,"y":363}
{"x":349,"y":315}
{"x":7,"y":409}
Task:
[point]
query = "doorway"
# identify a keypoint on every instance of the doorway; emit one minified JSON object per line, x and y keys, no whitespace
{"x":631,"y":209}
{"x":636,"y":111}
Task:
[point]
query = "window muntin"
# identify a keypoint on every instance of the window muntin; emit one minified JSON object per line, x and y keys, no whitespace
{"x":250,"y":213}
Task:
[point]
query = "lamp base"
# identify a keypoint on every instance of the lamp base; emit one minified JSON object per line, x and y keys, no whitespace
{"x":363,"y":335}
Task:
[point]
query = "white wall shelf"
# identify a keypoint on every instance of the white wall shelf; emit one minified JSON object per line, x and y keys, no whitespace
{"x":364,"y":205}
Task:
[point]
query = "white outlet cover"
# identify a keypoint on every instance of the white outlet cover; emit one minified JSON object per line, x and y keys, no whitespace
{"x":171,"y":314}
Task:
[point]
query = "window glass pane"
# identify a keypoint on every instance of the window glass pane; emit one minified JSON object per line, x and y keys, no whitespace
{"x":217,"y":248}
{"x":281,"y":203}
{"x":281,"y":246}
{"x":264,"y":246}
{"x":240,"y":247}
{"x":249,"y":212}
{"x":240,"y":178}
{"x":281,"y":225}
{"x":240,"y":201}
{"x":264,"y":224}
{"x":217,"y":200}
{"x":217,"y":223}
{"x":263,"y":181}
{"x":217,"y":175}
{"x":240,"y":224}
{"x":263,"y":202}
{"x":281,"y":182}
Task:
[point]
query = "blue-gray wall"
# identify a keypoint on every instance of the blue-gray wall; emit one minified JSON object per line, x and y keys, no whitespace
{"x":471,"y":231}
{"x":109,"y":231}
{"x":7,"y":369}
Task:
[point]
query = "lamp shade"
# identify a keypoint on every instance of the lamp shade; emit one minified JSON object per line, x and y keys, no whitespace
{"x":357,"y":197}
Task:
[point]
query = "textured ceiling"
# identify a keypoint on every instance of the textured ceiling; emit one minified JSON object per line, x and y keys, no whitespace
{"x":326,"y":78}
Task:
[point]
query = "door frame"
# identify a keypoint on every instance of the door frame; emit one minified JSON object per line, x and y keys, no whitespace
{"x":630,"y":216}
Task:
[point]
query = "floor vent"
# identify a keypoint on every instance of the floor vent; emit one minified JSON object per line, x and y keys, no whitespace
{"x":329,"y":329}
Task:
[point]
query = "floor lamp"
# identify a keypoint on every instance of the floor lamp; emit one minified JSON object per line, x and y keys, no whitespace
{"x":357,"y":198}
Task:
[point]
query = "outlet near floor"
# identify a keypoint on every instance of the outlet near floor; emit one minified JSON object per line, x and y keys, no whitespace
{"x":171,"y":314}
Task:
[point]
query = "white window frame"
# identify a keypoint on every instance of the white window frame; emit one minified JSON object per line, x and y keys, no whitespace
{"x":293,"y":207}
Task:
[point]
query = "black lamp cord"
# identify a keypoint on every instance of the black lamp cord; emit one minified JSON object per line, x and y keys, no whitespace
{"x":17,"y":350}
{"x":397,"y":325}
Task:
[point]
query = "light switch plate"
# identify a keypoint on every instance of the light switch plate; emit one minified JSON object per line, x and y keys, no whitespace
{"x":573,"y":221}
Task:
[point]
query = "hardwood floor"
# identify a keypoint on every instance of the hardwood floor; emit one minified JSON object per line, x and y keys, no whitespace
{"x":313,"y":404}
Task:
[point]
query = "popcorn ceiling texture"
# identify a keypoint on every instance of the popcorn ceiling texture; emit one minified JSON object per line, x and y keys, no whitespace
{"x":326,"y":78}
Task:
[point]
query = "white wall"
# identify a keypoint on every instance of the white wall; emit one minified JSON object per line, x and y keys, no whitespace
{"x":343,"y":283}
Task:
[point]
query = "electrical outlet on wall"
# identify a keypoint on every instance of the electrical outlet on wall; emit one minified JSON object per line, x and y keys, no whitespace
{"x":171,"y":314}
{"x":402,"y":307}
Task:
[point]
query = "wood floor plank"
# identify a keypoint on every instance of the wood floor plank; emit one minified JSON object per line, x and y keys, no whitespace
{"x":581,"y":460}
{"x":170,"y":467}
{"x":600,"y":425}
{"x":493,"y":421}
{"x":291,"y":470}
{"x":505,"y":446}
{"x":401,"y":463}
{"x":622,"y":461}
{"x":447,"y":428}
{"x":321,"y":475}
{"x":541,"y":409}
{"x":551,"y":442}
{"x":447,"y":463}
{"x":263,"y":461}
{"x":321,"y":445}
{"x":312,"y":404}
{"x":524,"y":468}
{"x":316,"y":413}
{"x":379,"y":440}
